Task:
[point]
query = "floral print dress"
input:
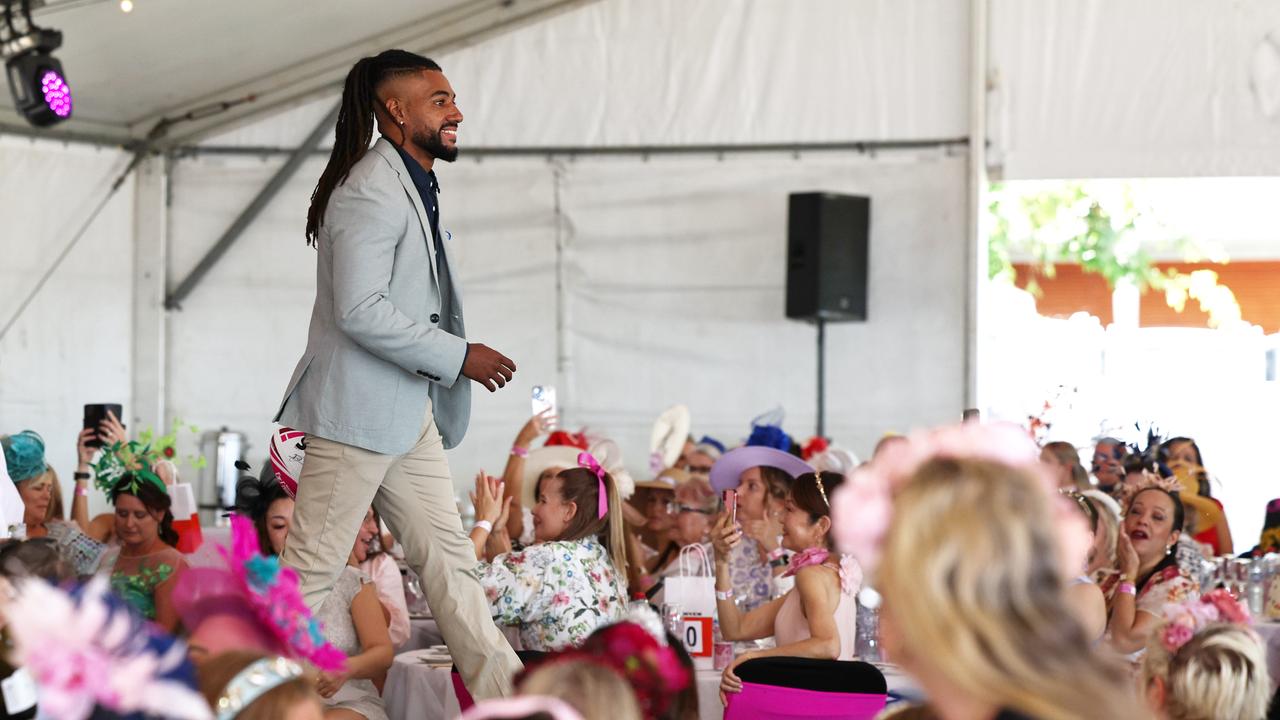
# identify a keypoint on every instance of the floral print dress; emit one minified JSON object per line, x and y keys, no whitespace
{"x":1169,"y":586}
{"x":557,"y":592}
{"x":751,"y":575}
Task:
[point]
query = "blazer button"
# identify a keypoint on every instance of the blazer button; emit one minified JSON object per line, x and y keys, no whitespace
{"x":435,"y":317}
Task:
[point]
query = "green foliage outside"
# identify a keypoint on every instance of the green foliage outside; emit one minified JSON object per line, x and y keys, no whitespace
{"x":1104,"y":227}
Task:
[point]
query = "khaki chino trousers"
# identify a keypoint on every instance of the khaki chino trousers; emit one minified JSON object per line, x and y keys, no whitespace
{"x":414,"y":495}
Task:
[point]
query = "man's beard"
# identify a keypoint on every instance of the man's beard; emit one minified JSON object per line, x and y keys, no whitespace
{"x":434,"y":146}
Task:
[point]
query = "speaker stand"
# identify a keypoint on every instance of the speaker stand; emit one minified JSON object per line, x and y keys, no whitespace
{"x":822,"y":376}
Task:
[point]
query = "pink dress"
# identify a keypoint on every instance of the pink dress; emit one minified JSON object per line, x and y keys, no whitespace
{"x":791,"y":626}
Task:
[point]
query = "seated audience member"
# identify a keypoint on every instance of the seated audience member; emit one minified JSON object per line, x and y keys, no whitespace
{"x":267,"y":502}
{"x":816,"y":619}
{"x":761,"y":476}
{"x":1064,"y":462}
{"x":1150,"y":577}
{"x":145,"y":564}
{"x":695,"y":507}
{"x":659,"y":680}
{"x":35,"y":479}
{"x":353,"y":622}
{"x":251,"y":686}
{"x":1083,"y":594}
{"x":91,"y":655}
{"x":573,"y":578}
{"x":1102,"y":554}
{"x":684,"y":513}
{"x":656,"y":499}
{"x":1108,"y":463}
{"x":250,"y":602}
{"x":970,"y":548}
{"x":1206,"y":516}
{"x":1269,"y":541}
{"x":1205,"y":662}
{"x":381,"y":568}
{"x":703,"y":457}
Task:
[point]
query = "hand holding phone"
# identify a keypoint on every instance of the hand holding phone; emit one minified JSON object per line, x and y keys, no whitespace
{"x":95,"y":415}
{"x":543,"y":400}
{"x":731,"y":505}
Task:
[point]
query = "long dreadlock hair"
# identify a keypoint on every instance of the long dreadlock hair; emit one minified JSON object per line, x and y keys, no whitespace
{"x":354,"y":129}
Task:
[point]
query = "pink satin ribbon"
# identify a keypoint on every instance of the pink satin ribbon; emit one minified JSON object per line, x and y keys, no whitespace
{"x":588,"y":461}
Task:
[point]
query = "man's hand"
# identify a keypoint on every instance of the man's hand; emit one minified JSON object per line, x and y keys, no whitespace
{"x":487,"y":366}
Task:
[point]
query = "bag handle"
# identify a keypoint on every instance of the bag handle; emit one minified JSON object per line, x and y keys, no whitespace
{"x":687,"y":551}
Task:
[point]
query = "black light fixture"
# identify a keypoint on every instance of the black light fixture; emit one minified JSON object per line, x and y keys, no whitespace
{"x":36,"y":81}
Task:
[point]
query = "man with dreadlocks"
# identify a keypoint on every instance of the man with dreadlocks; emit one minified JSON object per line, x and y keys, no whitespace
{"x":381,"y":389}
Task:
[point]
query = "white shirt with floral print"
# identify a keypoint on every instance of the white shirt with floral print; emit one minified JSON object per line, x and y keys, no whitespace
{"x":557,"y":592}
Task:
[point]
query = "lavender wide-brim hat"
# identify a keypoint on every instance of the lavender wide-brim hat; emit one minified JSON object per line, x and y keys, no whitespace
{"x":726,"y":473}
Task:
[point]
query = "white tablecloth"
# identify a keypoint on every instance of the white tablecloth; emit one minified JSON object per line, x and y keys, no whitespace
{"x":419,"y":691}
{"x":1270,"y":633}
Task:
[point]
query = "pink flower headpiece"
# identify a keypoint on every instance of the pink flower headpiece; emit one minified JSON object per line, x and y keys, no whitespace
{"x":863,"y":506}
{"x":1146,"y":481}
{"x":272,"y":591}
{"x":87,"y":649}
{"x":1183,"y":620}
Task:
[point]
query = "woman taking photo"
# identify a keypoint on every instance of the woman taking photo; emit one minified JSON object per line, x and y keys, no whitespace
{"x":816,"y":619}
{"x":761,"y":477}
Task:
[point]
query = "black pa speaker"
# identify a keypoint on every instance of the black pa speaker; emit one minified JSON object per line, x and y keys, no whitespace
{"x":827,"y":239}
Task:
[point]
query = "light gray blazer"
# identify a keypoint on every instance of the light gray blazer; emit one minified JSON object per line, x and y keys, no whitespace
{"x":376,"y":349}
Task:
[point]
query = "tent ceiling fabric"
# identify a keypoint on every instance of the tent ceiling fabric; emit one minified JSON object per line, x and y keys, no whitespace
{"x":166,"y":58}
{"x":1140,"y":88}
{"x":660,"y":73}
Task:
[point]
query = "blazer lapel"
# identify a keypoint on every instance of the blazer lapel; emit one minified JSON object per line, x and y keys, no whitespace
{"x":384,"y":148}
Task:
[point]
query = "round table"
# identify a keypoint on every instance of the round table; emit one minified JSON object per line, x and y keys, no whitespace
{"x":418,"y":690}
{"x":1269,"y":631}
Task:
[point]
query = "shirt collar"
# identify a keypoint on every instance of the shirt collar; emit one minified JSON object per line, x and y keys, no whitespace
{"x":416,"y":171}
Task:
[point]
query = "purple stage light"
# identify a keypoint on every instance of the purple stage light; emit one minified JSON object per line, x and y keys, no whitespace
{"x":57,"y":94}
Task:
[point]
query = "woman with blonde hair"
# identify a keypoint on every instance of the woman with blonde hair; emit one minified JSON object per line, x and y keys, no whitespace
{"x":1206,"y":663}
{"x":587,"y":686}
{"x":572,"y":580}
{"x":965,"y":537}
{"x":1064,"y":461}
{"x":251,"y":686}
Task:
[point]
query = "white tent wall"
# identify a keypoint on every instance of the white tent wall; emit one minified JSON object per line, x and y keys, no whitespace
{"x":730,"y":72}
{"x":1139,"y":88}
{"x":673,"y":278}
{"x":73,"y":343}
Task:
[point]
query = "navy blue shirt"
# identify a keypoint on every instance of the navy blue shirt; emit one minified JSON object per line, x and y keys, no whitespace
{"x":428,"y":189}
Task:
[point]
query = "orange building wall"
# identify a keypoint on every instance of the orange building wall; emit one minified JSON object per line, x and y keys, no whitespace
{"x":1256,"y":285}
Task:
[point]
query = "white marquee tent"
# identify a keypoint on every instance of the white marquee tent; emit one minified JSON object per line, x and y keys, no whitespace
{"x":619,"y":212}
